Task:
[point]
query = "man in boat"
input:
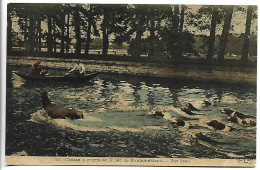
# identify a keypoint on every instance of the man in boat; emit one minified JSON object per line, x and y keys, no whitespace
{"x":78,"y":70}
{"x":36,"y":68}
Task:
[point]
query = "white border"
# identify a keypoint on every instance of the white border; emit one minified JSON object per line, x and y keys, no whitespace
{"x":3,"y":78}
{"x":3,"y":67}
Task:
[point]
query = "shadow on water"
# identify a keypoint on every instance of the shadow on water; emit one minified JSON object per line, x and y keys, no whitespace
{"x":118,"y":119}
{"x":49,"y":85}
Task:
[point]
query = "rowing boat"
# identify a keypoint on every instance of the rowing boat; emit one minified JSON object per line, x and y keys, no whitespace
{"x":52,"y":78}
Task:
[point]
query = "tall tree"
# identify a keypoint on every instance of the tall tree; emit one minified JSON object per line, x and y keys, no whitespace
{"x":205,"y":15}
{"x":146,"y":29}
{"x":76,"y":19}
{"x":245,"y":51}
{"x":176,"y":41}
{"x":90,"y":15}
{"x":30,"y":35}
{"x":211,"y":42}
{"x":60,"y":23}
{"x":26,"y":34}
{"x":113,"y":22}
{"x":138,"y":24}
{"x":27,"y":14}
{"x":90,"y":22}
{"x":176,"y":18}
{"x":173,"y":41}
{"x":152,"y":12}
{"x":105,"y":25}
{"x":155,"y":16}
{"x":68,"y":34}
{"x":49,"y":36}
{"x":182,"y":18}
{"x":39,"y":32}
{"x":225,"y":32}
{"x":62,"y":43}
{"x":54,"y":35}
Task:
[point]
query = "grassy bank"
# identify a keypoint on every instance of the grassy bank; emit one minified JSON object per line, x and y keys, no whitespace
{"x":167,"y":61}
{"x":196,"y":71}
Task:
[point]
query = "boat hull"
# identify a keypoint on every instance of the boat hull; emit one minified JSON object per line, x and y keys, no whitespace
{"x":85,"y":78}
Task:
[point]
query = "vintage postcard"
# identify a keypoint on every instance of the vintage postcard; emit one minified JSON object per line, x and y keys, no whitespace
{"x":131,"y":84}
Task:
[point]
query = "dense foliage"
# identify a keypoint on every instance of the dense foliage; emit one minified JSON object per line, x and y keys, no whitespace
{"x":156,"y":31}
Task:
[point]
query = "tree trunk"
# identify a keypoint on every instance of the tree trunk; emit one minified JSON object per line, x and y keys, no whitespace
{"x":36,"y":36}
{"x":138,"y":41}
{"x":224,"y":35}
{"x":54,"y":37}
{"x":88,"y":32}
{"x":176,"y":18}
{"x":34,"y":41}
{"x":245,"y":51}
{"x":212,"y":34}
{"x":49,"y":38}
{"x":9,"y":34}
{"x":105,"y":34}
{"x":105,"y":42}
{"x":30,"y":37}
{"x":39,"y":35}
{"x":68,"y":34}
{"x":88,"y":39}
{"x":174,"y":45}
{"x":62,"y":34}
{"x":77,"y":31}
{"x":152,"y":37}
{"x":182,"y":18}
{"x":26,"y":35}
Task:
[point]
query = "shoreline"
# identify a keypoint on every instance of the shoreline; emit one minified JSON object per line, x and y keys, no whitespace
{"x":216,"y":74}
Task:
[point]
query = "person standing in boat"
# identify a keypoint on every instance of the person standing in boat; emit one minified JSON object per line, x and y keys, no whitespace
{"x":78,"y":70}
{"x":36,"y":68}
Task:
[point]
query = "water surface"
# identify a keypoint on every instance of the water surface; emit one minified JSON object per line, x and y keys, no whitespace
{"x":117,"y":118}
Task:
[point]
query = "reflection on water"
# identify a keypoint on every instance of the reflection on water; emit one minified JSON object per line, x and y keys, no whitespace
{"x":118,"y":109}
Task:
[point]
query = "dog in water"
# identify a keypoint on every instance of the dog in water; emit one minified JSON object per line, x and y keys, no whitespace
{"x":216,"y":125}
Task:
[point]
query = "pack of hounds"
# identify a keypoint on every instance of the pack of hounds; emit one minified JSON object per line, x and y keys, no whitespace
{"x":56,"y":111}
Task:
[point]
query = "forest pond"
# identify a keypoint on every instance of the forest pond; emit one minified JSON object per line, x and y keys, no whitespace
{"x":117,"y":118}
